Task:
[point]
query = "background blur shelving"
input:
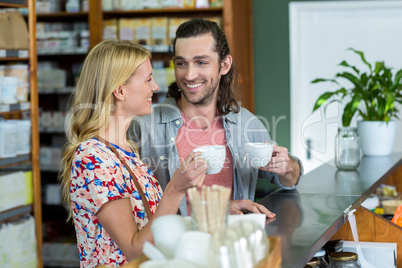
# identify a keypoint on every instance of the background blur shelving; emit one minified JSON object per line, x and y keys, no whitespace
{"x":19,"y":163}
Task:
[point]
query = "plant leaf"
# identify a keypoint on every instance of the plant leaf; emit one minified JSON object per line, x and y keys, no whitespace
{"x":345,"y":64}
{"x":379,"y":65}
{"x":350,"y":110}
{"x":361,"y":56}
{"x":352,"y":79}
{"x":398,"y":77}
{"x":322,"y":99}
{"x":318,"y":80}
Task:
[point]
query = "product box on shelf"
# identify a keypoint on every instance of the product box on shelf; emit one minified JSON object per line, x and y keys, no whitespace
{"x":110,"y":29}
{"x":159,"y":31}
{"x":13,"y":31}
{"x":143,"y":32}
{"x":15,"y":190}
{"x":18,"y":243}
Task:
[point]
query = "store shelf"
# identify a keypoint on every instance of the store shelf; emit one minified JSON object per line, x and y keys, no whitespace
{"x":52,"y":130}
{"x":49,"y":168}
{"x":15,"y":213}
{"x":13,"y":3}
{"x":64,"y":90}
{"x":62,"y":51}
{"x":13,"y":54}
{"x":13,"y":161}
{"x":163,"y":12}
{"x":62,"y":16}
{"x":6,"y":108}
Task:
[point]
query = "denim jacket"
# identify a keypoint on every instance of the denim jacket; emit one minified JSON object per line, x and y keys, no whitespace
{"x":155,"y":136}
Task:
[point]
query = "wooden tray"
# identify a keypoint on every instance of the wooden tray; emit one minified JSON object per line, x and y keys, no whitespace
{"x":274,"y":259}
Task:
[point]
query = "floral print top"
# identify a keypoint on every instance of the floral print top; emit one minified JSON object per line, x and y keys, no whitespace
{"x":98,"y":177}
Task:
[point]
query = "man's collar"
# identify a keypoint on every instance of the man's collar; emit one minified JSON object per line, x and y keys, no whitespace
{"x":170,"y":112}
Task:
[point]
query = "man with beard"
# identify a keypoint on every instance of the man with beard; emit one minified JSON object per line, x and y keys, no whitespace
{"x":201,"y":110}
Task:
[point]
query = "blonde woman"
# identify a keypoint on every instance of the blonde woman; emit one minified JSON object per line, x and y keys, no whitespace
{"x":106,"y":186}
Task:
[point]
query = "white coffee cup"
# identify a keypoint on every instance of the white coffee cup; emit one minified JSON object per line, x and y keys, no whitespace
{"x":214,"y":155}
{"x":259,"y":154}
{"x":167,"y":231}
{"x":193,"y":247}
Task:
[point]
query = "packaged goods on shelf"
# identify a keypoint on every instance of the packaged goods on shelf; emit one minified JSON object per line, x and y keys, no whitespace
{"x":61,"y":252}
{"x":190,"y":3}
{"x":18,"y":243}
{"x":151,"y":4}
{"x":216,"y":3}
{"x":143,"y":32}
{"x":19,"y":30}
{"x":14,"y":90}
{"x":72,"y":6}
{"x":5,"y":32}
{"x":48,"y":6}
{"x":110,"y":29}
{"x":8,"y":87}
{"x":53,"y":38}
{"x":49,"y":79}
{"x":52,"y":120}
{"x":172,"y":3}
{"x":23,"y":135}
{"x":218,"y":20}
{"x":159,"y":31}
{"x":126,"y":29}
{"x":107,"y":5}
{"x":173,"y":24}
{"x":130,"y":4}
{"x":201,"y":4}
{"x":8,"y":139}
{"x":50,"y":158}
{"x":52,"y":194}
{"x":15,"y":190}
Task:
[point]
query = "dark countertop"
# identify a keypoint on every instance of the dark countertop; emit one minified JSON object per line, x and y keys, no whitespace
{"x":309,"y":216}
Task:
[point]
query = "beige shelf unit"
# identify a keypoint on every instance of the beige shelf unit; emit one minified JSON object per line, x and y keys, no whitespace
{"x":33,"y":158}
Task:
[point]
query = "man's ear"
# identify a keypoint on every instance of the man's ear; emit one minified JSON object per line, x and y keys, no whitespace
{"x":226,"y":64}
{"x":119,"y":93}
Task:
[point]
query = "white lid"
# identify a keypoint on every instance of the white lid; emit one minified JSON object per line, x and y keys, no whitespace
{"x":320,"y":253}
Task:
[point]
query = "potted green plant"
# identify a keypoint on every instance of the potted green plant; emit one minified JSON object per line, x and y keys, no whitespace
{"x":375,"y":96}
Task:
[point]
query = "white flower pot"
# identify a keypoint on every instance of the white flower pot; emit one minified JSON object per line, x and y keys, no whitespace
{"x":376,"y":137}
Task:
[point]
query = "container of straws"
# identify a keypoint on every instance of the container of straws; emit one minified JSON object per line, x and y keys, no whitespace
{"x":209,"y":207}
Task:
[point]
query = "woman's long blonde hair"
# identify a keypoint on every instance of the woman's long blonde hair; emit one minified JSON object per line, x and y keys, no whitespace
{"x":107,"y":66}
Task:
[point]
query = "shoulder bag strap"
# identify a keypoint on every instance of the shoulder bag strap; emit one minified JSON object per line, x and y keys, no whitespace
{"x":137,"y":185}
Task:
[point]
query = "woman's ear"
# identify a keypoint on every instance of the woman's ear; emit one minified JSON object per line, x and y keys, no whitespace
{"x":226,"y":64}
{"x":119,"y":93}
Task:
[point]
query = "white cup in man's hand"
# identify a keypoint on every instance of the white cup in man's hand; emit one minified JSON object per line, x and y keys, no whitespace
{"x":214,"y":155}
{"x":259,"y":154}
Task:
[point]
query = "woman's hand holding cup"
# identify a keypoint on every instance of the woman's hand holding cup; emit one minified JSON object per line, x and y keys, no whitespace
{"x":191,"y":173}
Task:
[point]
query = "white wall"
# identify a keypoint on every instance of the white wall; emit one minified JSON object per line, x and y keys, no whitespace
{"x":320,"y":33}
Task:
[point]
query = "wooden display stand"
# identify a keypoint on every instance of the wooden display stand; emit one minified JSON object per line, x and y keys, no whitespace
{"x":373,"y":228}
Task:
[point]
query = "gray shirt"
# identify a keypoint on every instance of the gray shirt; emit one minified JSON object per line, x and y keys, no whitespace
{"x":156,"y":134}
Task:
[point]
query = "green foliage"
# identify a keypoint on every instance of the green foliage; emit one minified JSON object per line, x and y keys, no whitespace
{"x":373,"y":94}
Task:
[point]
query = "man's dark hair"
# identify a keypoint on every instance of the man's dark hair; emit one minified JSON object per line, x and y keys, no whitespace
{"x":196,"y":27}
